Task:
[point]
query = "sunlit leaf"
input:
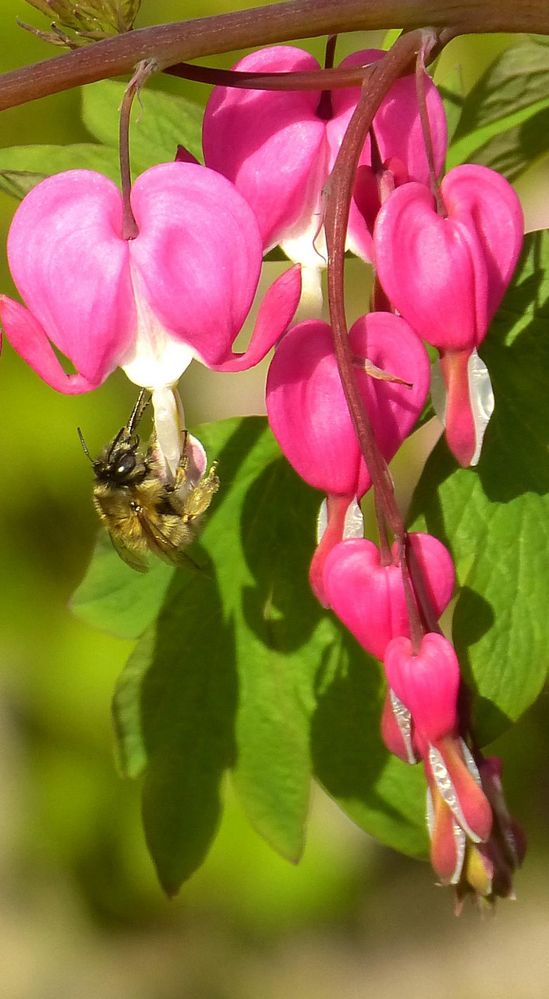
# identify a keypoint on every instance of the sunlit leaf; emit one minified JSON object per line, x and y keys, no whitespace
{"x":115,"y":598}
{"x":244,"y":671}
{"x":512,"y":151}
{"x":517,"y":80}
{"x":21,"y":167}
{"x":160,"y":122}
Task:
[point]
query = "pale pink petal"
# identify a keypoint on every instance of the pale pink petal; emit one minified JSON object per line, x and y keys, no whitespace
{"x":70,"y":266}
{"x":198,"y":254}
{"x":270,"y":144}
{"x":30,"y":341}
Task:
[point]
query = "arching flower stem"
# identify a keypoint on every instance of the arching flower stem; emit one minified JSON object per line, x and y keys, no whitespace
{"x":381,"y":78}
{"x":143,"y":71}
{"x":426,"y":130}
{"x":318,"y":79}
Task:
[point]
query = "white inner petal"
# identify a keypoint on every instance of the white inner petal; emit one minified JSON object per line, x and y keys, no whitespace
{"x":482,"y":399}
{"x":156,"y":357}
{"x":169,"y":425}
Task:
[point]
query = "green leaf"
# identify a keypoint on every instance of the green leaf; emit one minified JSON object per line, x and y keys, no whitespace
{"x":516,"y":81}
{"x":18,"y":183}
{"x":452,"y":91}
{"x":243,"y":670}
{"x":497,"y":121}
{"x":25,"y":166}
{"x":174,"y":710}
{"x":160,"y":122}
{"x":213,"y":629}
{"x":113,"y":597}
{"x":496,"y":519}
{"x":383,"y":795}
{"x":512,"y":151}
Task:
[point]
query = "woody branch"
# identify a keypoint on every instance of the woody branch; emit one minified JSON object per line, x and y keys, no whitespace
{"x":183,"y":40}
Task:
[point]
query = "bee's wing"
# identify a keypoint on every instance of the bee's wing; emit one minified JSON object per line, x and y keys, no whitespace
{"x":165,"y":547}
{"x":139,"y":561}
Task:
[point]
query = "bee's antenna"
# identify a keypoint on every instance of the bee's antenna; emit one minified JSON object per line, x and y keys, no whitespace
{"x":84,"y":445}
{"x":143,"y":400}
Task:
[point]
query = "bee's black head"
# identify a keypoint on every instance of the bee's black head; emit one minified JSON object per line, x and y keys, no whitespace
{"x":121,"y":464}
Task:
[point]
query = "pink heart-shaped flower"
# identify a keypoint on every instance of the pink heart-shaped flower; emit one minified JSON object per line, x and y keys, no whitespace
{"x":308,"y":411}
{"x":368,"y":597}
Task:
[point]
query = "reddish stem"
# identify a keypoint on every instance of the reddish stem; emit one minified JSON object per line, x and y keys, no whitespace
{"x":383,"y":74}
{"x":426,"y":131}
{"x":170,"y":43}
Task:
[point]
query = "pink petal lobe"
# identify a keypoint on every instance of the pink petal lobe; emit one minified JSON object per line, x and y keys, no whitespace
{"x":70,"y":266}
{"x":396,"y":729}
{"x":472,"y":806}
{"x":482,"y":197}
{"x":398,"y":127}
{"x":275,"y":315}
{"x":337,"y":507}
{"x":270,"y":144}
{"x":396,"y":123}
{"x":198,"y":254}
{"x":447,"y":846}
{"x":30,"y":341}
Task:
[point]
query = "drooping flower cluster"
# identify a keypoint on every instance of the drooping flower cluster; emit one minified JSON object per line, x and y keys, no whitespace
{"x":182,"y":287}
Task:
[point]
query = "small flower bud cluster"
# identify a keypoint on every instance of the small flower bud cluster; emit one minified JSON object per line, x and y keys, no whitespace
{"x":86,"y":20}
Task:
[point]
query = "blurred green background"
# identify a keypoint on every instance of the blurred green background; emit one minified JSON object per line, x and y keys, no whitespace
{"x":80,"y":911}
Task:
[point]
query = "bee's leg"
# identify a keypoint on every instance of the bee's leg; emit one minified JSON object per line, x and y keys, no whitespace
{"x":199,"y":498}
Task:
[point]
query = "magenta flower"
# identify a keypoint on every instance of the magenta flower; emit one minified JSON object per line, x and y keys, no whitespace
{"x":447,"y":274}
{"x":307,"y":410}
{"x":368,"y":597}
{"x":180,"y":290}
{"x":309,"y":417}
{"x":427,"y":683}
{"x":279,"y":147}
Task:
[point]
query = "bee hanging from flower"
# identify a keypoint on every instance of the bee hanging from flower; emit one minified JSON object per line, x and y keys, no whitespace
{"x":145,"y":508}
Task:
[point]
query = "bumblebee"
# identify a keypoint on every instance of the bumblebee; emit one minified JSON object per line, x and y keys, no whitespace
{"x":142,"y":509}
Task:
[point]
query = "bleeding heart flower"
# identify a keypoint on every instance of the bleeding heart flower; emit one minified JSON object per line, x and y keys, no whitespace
{"x":279,"y":147}
{"x":307,"y":409}
{"x":446,"y":274}
{"x":368,"y":597}
{"x":181,"y":289}
{"x":427,"y":683}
